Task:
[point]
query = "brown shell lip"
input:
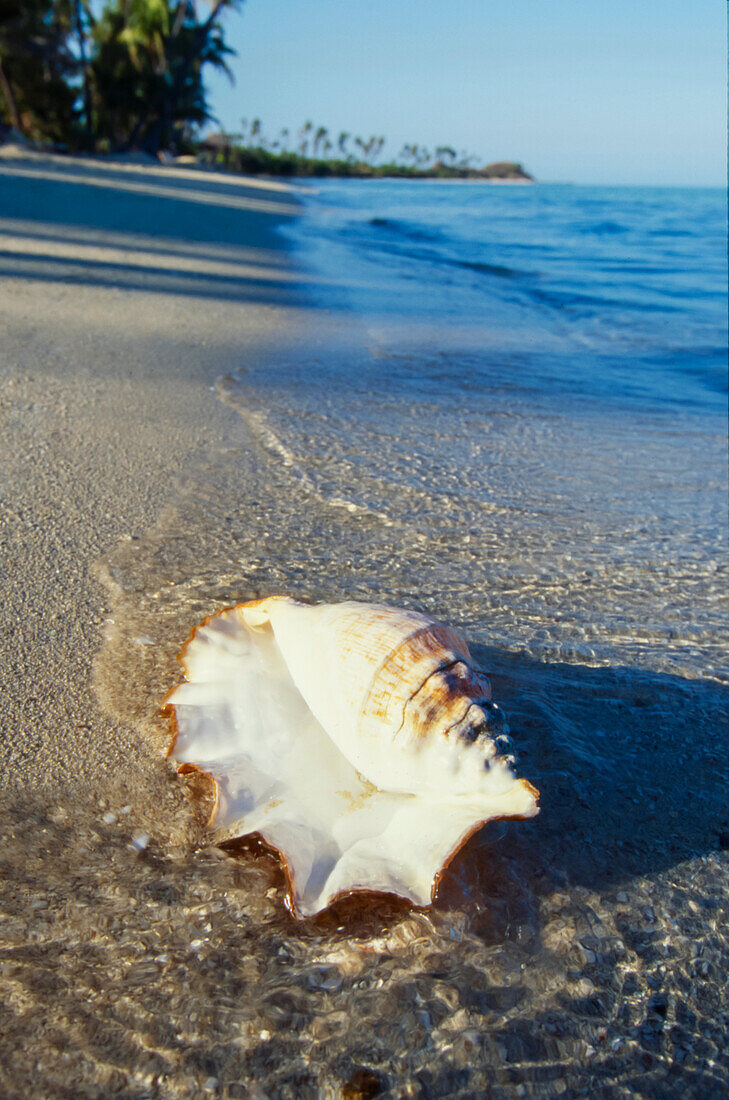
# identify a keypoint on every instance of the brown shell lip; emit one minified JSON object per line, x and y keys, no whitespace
{"x":168,"y":709}
{"x":290,"y":899}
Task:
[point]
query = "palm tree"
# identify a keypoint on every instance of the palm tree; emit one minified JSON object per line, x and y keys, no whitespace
{"x":445,"y":154}
{"x":83,"y":25}
{"x":342,"y":142}
{"x":304,"y":133}
{"x":319,"y":137}
{"x":371,"y":148}
{"x":132,"y":75}
{"x":38,"y":67}
{"x":147,"y":67}
{"x":190,"y":48}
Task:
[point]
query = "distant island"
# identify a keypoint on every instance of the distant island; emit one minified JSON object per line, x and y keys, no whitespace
{"x":314,"y":154}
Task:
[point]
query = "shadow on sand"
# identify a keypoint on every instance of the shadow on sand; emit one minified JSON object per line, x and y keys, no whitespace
{"x":632,"y":771}
{"x":146,"y":229}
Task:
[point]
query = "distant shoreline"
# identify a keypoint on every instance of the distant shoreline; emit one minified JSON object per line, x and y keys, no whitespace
{"x":260,"y":164}
{"x":219,"y":151}
{"x":510,"y":181}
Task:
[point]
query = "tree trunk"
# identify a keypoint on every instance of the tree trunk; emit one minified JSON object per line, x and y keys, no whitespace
{"x":133,"y":138}
{"x":153,"y":140}
{"x":88,"y":116}
{"x":9,"y":100}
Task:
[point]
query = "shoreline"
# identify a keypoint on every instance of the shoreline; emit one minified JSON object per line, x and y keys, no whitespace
{"x":190,"y":419}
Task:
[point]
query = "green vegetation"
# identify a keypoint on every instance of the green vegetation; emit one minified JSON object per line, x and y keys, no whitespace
{"x":37,"y":66}
{"x":250,"y":152}
{"x":128,"y":74}
{"x":129,"y":78}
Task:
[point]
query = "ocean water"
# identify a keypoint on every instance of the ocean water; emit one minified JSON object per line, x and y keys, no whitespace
{"x":539,"y":415}
{"x":507,"y":408}
{"x":592,"y":291}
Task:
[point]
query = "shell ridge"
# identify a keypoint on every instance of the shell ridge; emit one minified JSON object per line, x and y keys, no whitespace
{"x":418,"y":645}
{"x":440,"y":668}
{"x":468,"y":704}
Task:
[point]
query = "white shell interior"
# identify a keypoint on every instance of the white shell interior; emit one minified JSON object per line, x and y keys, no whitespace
{"x":242,"y":718}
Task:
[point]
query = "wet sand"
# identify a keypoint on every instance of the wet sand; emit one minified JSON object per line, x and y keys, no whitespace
{"x":583,"y":952}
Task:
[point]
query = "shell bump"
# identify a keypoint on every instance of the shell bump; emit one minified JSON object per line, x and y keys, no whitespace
{"x":358,"y":740}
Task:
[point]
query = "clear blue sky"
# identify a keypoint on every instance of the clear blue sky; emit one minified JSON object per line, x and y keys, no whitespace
{"x":592,"y":91}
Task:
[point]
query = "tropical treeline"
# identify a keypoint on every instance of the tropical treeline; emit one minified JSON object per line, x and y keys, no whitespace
{"x":119,"y":75}
{"x":314,"y":151}
{"x":109,"y":74}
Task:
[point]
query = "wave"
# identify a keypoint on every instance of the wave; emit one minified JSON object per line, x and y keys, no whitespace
{"x":602,"y":229}
{"x":416,"y":233}
{"x":406,"y":229}
{"x":569,"y":299}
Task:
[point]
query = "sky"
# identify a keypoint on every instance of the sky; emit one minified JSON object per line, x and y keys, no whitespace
{"x":587,"y":91}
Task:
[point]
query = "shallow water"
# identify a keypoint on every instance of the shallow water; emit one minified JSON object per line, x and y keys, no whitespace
{"x":463,"y":432}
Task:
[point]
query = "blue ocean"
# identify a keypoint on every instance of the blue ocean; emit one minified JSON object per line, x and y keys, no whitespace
{"x":525,"y":386}
{"x":613,"y":293}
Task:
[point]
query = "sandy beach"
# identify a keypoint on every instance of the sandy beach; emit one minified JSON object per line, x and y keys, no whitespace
{"x":125,"y":291}
{"x":184,"y":423}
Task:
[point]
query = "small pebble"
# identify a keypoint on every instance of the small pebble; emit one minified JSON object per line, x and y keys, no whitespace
{"x":125,"y":810}
{"x":140,"y":841}
{"x":109,"y":819}
{"x":210,"y":1083}
{"x":195,"y":945}
{"x":265,"y":1035}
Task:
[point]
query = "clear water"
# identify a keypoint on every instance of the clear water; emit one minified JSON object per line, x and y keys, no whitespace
{"x":509,"y":409}
{"x":537,"y":416}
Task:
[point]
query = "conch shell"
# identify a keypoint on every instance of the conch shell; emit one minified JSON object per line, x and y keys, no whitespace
{"x":358,"y":740}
